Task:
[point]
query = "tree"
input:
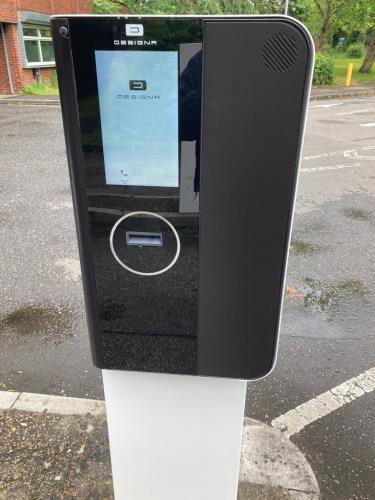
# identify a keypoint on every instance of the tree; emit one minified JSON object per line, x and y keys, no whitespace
{"x":359,"y":16}
{"x":106,"y":6}
{"x":296,"y":7}
{"x":324,"y":16}
{"x":370,"y":56}
{"x":178,"y":7}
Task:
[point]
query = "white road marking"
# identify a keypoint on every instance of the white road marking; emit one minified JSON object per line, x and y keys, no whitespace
{"x":372,"y":124}
{"x":331,"y":105}
{"x":322,"y":155}
{"x":295,"y":420}
{"x":329,"y":167}
{"x":71,"y":268}
{"x":354,"y":155}
{"x":335,"y":153}
{"x":355,"y":112}
{"x":59,"y":205}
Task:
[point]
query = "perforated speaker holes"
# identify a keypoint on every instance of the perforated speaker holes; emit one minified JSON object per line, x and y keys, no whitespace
{"x":280,"y":52}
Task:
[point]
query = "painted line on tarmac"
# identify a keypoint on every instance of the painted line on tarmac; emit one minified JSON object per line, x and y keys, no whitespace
{"x":343,"y":152}
{"x":331,"y":105}
{"x":356,"y":112}
{"x":372,"y":124}
{"x":295,"y":420}
{"x":322,"y":155}
{"x":39,"y":403}
{"x":71,"y":268}
{"x":329,"y":167}
{"x":354,"y":155}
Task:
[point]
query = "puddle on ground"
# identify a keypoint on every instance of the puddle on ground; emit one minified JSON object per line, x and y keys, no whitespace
{"x":51,"y":323}
{"x":357,"y":214}
{"x":325,"y":297}
{"x":301,"y":247}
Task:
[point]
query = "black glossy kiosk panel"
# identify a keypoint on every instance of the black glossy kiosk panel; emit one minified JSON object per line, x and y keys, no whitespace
{"x":183,"y":139}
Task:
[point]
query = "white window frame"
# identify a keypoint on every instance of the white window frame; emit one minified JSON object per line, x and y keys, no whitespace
{"x":38,"y":38}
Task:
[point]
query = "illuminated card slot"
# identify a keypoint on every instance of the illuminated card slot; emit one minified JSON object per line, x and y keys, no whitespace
{"x":144,"y":239}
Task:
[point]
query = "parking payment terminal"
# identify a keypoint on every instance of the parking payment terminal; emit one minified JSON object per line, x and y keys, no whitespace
{"x":184,"y":137}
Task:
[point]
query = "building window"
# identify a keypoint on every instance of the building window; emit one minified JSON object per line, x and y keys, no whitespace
{"x":38,"y":45}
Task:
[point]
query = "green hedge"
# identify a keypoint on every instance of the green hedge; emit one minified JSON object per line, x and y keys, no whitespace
{"x":323,"y":70}
{"x":355,"y":50}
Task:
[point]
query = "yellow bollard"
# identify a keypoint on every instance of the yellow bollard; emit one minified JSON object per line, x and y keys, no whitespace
{"x":348,"y":78}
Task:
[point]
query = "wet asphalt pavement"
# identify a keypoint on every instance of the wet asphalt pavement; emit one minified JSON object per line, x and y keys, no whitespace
{"x":43,"y":327}
{"x":327,"y":331}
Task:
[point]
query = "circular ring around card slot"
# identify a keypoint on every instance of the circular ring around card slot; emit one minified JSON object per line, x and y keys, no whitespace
{"x":149,"y":214}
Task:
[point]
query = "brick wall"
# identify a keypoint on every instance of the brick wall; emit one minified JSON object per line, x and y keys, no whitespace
{"x":8,"y":11}
{"x":21,"y":76}
{"x":9,"y":8}
{"x":14,"y":58}
{"x":55,"y":6}
{"x":72,"y":6}
{"x":43,"y":6}
{"x":4,"y":86}
{"x":8,"y":15}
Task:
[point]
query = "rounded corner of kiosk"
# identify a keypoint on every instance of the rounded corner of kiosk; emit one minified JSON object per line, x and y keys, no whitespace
{"x":267,"y":370}
{"x":258,"y":373}
{"x":298,"y":26}
{"x":98,"y":362}
{"x":255,"y":373}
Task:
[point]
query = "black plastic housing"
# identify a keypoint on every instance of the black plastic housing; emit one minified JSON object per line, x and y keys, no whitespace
{"x":217,"y":310}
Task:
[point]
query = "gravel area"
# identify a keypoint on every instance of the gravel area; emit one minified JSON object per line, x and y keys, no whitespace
{"x":47,"y":456}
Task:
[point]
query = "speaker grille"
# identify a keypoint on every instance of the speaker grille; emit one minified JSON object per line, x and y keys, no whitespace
{"x":280,"y":52}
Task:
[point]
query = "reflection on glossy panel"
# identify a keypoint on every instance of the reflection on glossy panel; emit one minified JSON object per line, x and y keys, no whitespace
{"x":146,"y":323}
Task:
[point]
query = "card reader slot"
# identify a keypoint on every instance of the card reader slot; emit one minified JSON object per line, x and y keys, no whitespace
{"x":144,"y":239}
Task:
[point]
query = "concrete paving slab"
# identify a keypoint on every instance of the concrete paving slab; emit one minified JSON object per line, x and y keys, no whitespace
{"x":247,"y":491}
{"x":318,"y":93}
{"x":269,"y":459}
{"x":7,"y":399}
{"x":59,"y":405}
{"x":26,"y":97}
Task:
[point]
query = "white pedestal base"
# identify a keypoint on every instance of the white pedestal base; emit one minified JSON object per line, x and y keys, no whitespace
{"x":174,"y":437}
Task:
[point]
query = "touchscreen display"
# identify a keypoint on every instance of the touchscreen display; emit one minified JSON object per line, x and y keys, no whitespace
{"x":138,"y":98}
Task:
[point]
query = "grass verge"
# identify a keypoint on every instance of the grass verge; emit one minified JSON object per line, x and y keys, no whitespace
{"x":42,"y":88}
{"x":341,"y":67}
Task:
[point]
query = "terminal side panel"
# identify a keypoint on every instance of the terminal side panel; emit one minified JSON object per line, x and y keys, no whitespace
{"x":255,"y":78}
